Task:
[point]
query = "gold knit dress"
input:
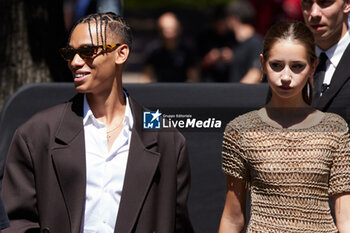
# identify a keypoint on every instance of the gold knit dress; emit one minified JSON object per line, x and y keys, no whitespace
{"x":291,"y":172}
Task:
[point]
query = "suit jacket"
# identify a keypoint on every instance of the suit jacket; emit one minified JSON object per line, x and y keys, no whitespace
{"x":337,"y":97}
{"x":45,"y":176}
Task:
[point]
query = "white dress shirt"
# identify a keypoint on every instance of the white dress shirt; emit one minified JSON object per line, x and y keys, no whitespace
{"x":334,"y":55}
{"x":105,"y":171}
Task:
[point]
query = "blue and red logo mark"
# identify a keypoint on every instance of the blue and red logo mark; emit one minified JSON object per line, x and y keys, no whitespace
{"x":151,"y":120}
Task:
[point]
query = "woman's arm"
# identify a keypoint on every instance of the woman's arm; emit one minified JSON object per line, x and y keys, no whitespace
{"x":233,"y":216}
{"x":342,"y":212}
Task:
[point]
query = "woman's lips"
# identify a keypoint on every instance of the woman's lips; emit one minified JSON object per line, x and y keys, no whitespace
{"x":285,"y":87}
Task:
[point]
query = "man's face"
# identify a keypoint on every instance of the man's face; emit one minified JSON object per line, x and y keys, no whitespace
{"x":96,"y":74}
{"x":327,"y":19}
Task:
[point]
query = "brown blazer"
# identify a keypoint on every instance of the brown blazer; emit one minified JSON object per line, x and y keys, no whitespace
{"x":45,"y":178}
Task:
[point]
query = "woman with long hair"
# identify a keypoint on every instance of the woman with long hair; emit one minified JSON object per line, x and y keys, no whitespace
{"x":291,"y":156}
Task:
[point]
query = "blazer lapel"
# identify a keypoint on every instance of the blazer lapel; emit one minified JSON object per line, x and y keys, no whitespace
{"x":68,"y":156}
{"x":142,"y":164}
{"x":340,"y":76}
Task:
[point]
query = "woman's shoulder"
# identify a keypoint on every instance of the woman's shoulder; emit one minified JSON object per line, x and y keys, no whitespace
{"x":243,"y":122}
{"x":333,"y":122}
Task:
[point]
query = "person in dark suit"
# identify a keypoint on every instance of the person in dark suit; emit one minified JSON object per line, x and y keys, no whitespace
{"x":328,"y":21}
{"x":88,"y":165}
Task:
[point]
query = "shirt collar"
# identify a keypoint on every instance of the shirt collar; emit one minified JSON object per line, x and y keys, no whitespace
{"x":89,"y":116}
{"x":335,"y":52}
{"x":128,"y":119}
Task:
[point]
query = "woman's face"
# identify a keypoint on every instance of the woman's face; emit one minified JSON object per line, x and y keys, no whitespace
{"x":287,"y":69}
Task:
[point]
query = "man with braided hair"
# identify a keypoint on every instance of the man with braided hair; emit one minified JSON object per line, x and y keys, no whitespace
{"x":87,"y":165}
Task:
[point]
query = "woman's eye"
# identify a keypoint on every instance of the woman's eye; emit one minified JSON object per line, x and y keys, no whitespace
{"x":296,"y":68}
{"x":275,"y":66}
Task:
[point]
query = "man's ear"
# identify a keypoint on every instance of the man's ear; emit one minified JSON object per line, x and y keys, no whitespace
{"x":122,"y":54}
{"x":346,"y":9}
{"x":262,"y":62}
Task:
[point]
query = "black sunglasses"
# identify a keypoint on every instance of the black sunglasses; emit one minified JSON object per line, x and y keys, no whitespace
{"x":86,"y":51}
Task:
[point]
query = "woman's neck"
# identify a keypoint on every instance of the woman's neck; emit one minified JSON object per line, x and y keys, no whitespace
{"x":285,"y":103}
{"x":288,"y":112}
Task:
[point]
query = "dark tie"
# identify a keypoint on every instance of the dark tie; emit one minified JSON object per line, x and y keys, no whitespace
{"x":319,"y":76}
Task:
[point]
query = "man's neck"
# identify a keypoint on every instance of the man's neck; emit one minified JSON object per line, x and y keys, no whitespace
{"x":170,"y":44}
{"x":106,"y":107}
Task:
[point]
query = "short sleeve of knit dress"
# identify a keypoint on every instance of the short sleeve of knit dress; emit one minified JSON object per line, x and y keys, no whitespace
{"x":233,"y":161}
{"x":339,"y":180}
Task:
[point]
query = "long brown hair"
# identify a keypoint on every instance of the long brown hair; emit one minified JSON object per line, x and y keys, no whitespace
{"x":295,"y":31}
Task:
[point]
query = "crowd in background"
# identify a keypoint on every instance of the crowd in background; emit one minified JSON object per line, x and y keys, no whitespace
{"x":225,"y":49}
{"x":206,"y":36}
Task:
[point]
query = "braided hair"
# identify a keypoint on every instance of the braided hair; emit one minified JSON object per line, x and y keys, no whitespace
{"x":116,"y":25}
